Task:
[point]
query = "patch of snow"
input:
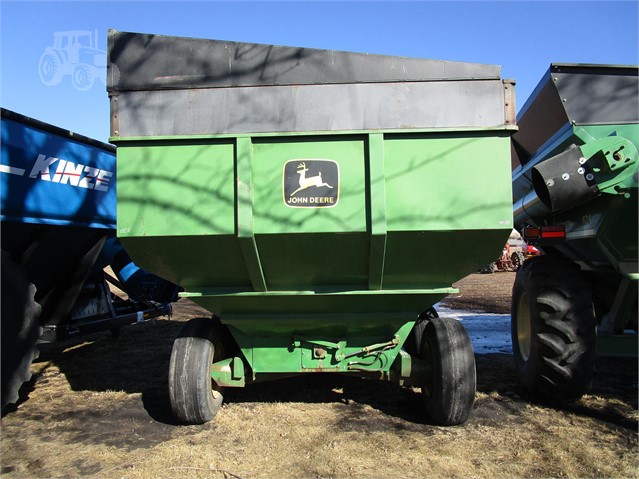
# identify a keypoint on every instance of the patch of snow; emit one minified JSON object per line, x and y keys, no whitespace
{"x":489,"y":332}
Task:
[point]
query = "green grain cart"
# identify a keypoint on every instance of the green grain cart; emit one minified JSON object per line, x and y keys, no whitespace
{"x":575,"y":180}
{"x":318,"y":203}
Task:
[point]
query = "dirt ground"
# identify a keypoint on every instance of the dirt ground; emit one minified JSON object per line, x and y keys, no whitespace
{"x":98,"y":407}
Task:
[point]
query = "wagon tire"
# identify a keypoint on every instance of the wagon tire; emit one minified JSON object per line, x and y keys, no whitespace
{"x":194,"y":396}
{"x":449,"y":387}
{"x":21,"y":329}
{"x":553,"y":329}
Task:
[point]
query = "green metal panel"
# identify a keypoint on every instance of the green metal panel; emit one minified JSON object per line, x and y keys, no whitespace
{"x":314,"y":261}
{"x":176,"y":189}
{"x":435,"y":237}
{"x":310,"y":343}
{"x":423,"y":170}
{"x":593,"y":132}
{"x":216,"y":261}
{"x":438,"y":258}
{"x":272,"y":215}
{"x":305,"y":246}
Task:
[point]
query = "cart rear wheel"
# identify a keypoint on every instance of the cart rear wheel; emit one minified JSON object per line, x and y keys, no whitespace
{"x":195,"y":398}
{"x":450,"y":383}
{"x":553,"y":329}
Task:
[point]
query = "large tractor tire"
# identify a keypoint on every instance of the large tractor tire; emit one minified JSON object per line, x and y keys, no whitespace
{"x":20,"y":329}
{"x":553,"y":329}
{"x":195,"y":398}
{"x":450,"y":384}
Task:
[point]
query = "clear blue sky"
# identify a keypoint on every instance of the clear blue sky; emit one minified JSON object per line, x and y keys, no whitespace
{"x":522,"y":37}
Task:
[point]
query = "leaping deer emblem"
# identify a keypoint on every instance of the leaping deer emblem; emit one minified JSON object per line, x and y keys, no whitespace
{"x":310,"y":181}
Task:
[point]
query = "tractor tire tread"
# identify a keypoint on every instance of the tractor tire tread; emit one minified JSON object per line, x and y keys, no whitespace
{"x":563,"y":334}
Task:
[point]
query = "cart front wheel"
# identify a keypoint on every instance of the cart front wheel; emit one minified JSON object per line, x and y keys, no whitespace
{"x":195,"y":398}
{"x":450,"y":384}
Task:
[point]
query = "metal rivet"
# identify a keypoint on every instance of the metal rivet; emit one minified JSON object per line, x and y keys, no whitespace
{"x":582,"y":160}
{"x":550,"y":183}
{"x":581,"y":171}
{"x":590,"y":177}
{"x":565,"y":176}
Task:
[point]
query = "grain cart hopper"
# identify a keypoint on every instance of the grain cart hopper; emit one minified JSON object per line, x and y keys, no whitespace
{"x":316,"y":202}
{"x":575,"y":190}
{"x":58,"y":234}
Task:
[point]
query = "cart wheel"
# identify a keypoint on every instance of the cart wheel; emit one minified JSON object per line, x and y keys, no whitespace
{"x":553,"y":329}
{"x":450,"y":384}
{"x":195,"y":398}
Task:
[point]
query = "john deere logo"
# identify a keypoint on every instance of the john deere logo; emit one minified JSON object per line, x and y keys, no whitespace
{"x":311,"y":183}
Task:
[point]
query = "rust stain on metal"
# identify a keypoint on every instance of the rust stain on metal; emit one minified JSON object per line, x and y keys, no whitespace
{"x":510,"y":113}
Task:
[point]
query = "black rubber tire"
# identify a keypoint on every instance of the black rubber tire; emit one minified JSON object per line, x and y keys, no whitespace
{"x":517,"y":259}
{"x":195,"y":398}
{"x":449,"y":388}
{"x":488,"y":269}
{"x":413,"y":342}
{"x":553,"y":329}
{"x":20,"y":329}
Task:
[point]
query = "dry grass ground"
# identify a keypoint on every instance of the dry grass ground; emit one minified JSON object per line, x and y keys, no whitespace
{"x":97,"y":407}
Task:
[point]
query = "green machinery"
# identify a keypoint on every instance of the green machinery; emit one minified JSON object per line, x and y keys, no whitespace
{"x":318,"y":203}
{"x":575,"y":195}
